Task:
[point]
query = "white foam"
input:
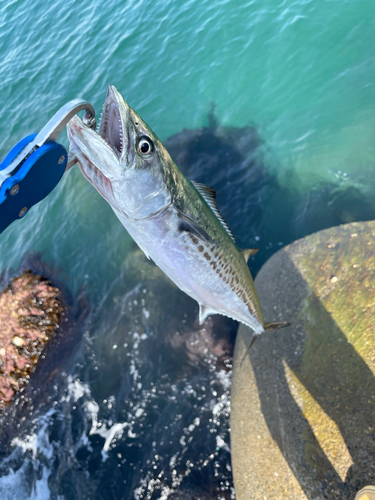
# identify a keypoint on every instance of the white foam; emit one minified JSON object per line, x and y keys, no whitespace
{"x":41,"y":490}
{"x":139,"y":412}
{"x":76,"y":390}
{"x":220,"y":443}
{"x":92,"y":408}
{"x":109,"y":435}
{"x":37,"y":442}
{"x":16,"y":484}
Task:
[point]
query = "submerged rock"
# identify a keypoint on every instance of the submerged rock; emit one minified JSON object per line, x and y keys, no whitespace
{"x":232,"y":161}
{"x":210,"y":341}
{"x":243,"y":170}
{"x":31,"y":309}
{"x":303,"y":400}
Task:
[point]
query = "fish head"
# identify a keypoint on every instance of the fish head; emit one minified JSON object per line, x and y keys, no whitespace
{"x":123,"y":160}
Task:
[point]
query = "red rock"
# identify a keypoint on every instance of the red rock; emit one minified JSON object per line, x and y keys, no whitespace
{"x":31,"y":309}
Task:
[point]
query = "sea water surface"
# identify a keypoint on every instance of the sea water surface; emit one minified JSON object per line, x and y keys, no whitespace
{"x":285,"y":92}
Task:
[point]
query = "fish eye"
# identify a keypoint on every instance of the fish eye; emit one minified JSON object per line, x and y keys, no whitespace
{"x":145,"y":146}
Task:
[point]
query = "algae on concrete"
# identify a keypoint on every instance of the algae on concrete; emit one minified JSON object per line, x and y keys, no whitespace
{"x":315,"y":380}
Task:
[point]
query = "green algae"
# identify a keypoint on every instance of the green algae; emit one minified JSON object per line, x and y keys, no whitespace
{"x":336,"y":373}
{"x":350,"y":300}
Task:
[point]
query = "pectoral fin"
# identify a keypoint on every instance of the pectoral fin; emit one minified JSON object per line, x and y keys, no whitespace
{"x":188,"y":225}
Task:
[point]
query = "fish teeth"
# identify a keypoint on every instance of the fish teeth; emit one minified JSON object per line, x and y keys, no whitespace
{"x":100,"y":118}
{"x":121,"y":135}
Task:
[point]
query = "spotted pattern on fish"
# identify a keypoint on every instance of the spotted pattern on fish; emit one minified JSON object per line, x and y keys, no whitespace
{"x":174,"y":221}
{"x":226,"y":269}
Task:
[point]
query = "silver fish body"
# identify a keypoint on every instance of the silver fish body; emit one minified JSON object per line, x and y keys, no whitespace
{"x":173,"y":220}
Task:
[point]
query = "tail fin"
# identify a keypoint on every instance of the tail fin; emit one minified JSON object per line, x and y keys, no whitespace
{"x":267,"y":326}
{"x":275,"y":325}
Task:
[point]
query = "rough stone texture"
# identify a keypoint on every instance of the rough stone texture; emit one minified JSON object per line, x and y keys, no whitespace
{"x":30,"y":312}
{"x":303,"y":400}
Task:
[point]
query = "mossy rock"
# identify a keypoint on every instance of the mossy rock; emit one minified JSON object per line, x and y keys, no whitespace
{"x":303,"y":400}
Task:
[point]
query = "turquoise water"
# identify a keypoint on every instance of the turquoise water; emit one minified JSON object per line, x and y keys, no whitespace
{"x":301,"y":72}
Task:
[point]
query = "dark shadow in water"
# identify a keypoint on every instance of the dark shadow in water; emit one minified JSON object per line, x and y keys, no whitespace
{"x":229,"y":159}
{"x":235,"y":162}
{"x":335,"y":376}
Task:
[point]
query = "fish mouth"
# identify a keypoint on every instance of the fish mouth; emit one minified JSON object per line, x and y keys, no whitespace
{"x":113,"y":123}
{"x":109,"y":148}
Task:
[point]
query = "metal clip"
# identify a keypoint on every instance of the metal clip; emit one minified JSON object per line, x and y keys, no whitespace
{"x":51,"y":132}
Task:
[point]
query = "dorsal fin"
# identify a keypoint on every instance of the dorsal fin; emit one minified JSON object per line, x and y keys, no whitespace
{"x":209,"y":195}
{"x":248,"y":253}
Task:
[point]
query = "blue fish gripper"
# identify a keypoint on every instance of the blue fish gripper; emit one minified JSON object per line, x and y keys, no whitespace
{"x":32,"y":180}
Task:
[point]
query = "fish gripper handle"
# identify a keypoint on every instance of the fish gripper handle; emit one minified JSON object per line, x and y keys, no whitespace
{"x":31,"y":180}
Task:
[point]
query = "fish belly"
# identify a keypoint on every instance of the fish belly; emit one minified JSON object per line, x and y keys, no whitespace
{"x":187,"y":265}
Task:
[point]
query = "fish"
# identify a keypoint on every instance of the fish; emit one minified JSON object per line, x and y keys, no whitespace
{"x":175,"y":221}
